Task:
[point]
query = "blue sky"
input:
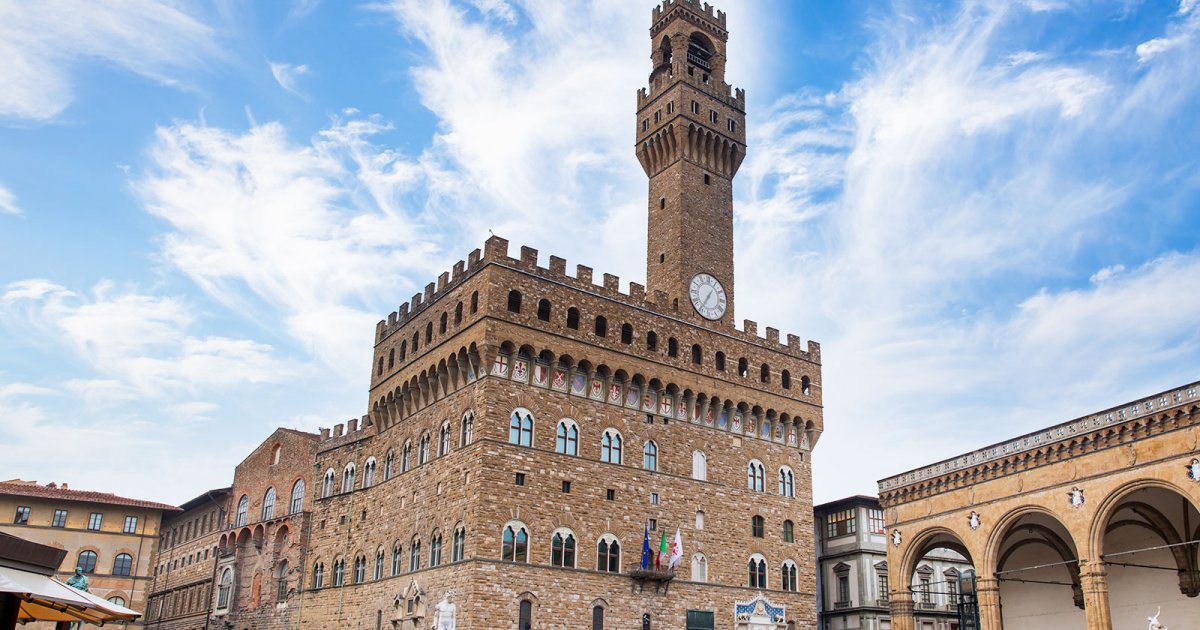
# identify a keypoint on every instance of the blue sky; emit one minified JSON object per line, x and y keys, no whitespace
{"x":986,"y":212}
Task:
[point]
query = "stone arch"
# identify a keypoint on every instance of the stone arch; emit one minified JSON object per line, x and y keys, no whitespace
{"x":924,"y":542}
{"x":1107,"y":507}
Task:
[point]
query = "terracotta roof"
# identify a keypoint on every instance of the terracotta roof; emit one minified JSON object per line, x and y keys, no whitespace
{"x":31,"y":489}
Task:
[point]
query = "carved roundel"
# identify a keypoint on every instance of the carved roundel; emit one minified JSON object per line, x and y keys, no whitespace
{"x":973,"y":520}
{"x":1075,"y":496}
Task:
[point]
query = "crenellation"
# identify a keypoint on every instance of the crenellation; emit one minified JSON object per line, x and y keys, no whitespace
{"x":583,"y":273}
{"x":352,"y":425}
{"x":457,"y":272}
{"x":772,"y":335}
{"x":338,"y":429}
{"x":495,"y":248}
{"x":430,"y":289}
{"x":529,"y":257}
{"x":558,"y":266}
{"x":637,"y":291}
{"x":750,"y":327}
{"x":612,"y":283}
{"x":415,"y":302}
{"x":473,"y":260}
{"x":442,"y":280}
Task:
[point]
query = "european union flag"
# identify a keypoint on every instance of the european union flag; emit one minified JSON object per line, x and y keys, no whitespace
{"x":645,"y":548}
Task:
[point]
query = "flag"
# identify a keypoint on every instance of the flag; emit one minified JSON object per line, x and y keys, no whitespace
{"x":645,"y":548}
{"x":662,"y":551}
{"x":676,"y":551}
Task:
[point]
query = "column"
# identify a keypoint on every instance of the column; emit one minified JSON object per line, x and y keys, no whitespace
{"x":988,"y":592}
{"x":901,"y":604}
{"x":1093,"y":577}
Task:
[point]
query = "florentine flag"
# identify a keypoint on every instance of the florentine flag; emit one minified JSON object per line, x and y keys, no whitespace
{"x":676,"y":551}
{"x":646,"y":548}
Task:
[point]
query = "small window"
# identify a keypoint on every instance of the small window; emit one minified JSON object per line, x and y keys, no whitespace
{"x":391,"y":364}
{"x":573,"y":318}
{"x":645,"y":124}
{"x":713,"y":117}
{"x":458,"y":314}
{"x":520,"y":479}
{"x":671,"y":108}
{"x":652,"y":524}
{"x":695,"y":107}
{"x":626,"y":334}
{"x":95,"y":519}
{"x":672,"y":347}
{"x":652,"y":341}
{"x":653,"y":498}
{"x":442,"y":324}
{"x":22,"y":516}
{"x":707,"y":180}
{"x":697,"y":355}
{"x":131,"y":523}
{"x":60,"y":519}
{"x":525,"y":622}
{"x":601,"y":326}
{"x":764,"y":374}
{"x":474,"y":303}
{"x":662,"y":203}
{"x":123,"y":564}
{"x":721,"y":361}
{"x":650,"y":455}
{"x":805,"y":386}
{"x":87,"y":561}
{"x":757,"y":526}
{"x":597,"y":618}
{"x":566,"y":487}
{"x":732,"y":125}
{"x":610,"y":494}
{"x":543,"y":312}
{"x":514,"y":301}
{"x":699,"y":519}
{"x":657,"y":116}
{"x":785,"y":379}
{"x":743,"y":367}
{"x":789,"y":531}
{"x":428,"y":333}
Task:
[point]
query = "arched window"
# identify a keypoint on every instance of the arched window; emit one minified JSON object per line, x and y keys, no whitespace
{"x":573,"y":318}
{"x":626,"y":334}
{"x":435,"y":548}
{"x":764,"y":373}
{"x":699,"y":568}
{"x":327,"y":484}
{"x":514,"y":301}
{"x":699,"y":466}
{"x":789,"y":531}
{"x":442,"y":324}
{"x":117,"y":599}
{"x":697,"y":355}
{"x":423,"y":449}
{"x":785,"y":379}
{"x":339,"y":572}
{"x":758,"y":571}
{"x":652,"y":341}
{"x":601,"y":326}
{"x":268,"y":506}
{"x":562,"y":548}
{"x":650,"y":455}
{"x":597,"y":617}
{"x":720,"y":360}
{"x":379,"y":563}
{"x":122,"y":564}
{"x":757,"y":524}
{"x":281,"y":588}
{"x":610,"y":447}
{"x":514,"y":545}
{"x":754,"y":476}
{"x":405,"y":455}
{"x":743,"y":367}
{"x":525,"y":620}
{"x":566,"y":439}
{"x":348,"y":474}
{"x":397,"y":558}
{"x":468,"y":426}
{"x":403,"y":349}
{"x":318,"y":576}
{"x":389,"y":463}
{"x":458,"y":314}
{"x":520,"y":428}
{"x":224,"y":588}
{"x":360,"y":569}
{"x":608,"y":554}
{"x":428,"y":333}
{"x":672,"y":347}
{"x":699,"y":519}
{"x":459,"y":545}
{"x":787,"y":574}
{"x":391,"y":362}
{"x":414,"y":555}
{"x":379,"y":370}
{"x":243,"y":507}
{"x":543,"y":312}
{"x":787,"y":482}
{"x":276,"y":454}
{"x":369,"y":473}
{"x":805,"y":386}
{"x":297,"y":502}
{"x":416,"y":340}
{"x":474,"y":302}
{"x":444,"y":440}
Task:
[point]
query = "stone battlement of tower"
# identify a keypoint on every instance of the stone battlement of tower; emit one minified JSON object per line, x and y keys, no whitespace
{"x":496,"y":251}
{"x":706,"y":9}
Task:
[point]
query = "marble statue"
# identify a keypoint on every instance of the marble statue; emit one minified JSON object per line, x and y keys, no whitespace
{"x":1154,"y":625}
{"x":444,"y":618}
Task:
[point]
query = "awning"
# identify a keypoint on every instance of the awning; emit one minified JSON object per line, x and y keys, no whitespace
{"x":46,"y":599}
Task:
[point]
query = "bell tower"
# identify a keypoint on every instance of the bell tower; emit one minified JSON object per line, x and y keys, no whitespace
{"x":691,"y":139}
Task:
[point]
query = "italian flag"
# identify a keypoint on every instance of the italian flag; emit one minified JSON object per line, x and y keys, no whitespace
{"x":662,"y":551}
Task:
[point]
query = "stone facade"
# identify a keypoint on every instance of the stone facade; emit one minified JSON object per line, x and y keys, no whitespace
{"x":117,"y":535}
{"x":181,"y":592}
{"x":1089,"y":523}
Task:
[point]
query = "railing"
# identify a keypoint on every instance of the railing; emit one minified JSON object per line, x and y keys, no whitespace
{"x":695,"y":59}
{"x":837,"y":605}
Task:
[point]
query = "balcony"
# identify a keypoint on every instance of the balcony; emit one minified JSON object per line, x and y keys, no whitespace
{"x":840,"y":605}
{"x":698,"y":61}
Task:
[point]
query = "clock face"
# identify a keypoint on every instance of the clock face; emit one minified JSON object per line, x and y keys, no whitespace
{"x":708,"y":296}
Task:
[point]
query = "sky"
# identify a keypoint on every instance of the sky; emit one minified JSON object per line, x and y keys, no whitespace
{"x":987,"y":213}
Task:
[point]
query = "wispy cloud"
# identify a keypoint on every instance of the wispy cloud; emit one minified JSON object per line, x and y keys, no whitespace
{"x":8,"y":202}
{"x":42,"y":42}
{"x":287,"y":75}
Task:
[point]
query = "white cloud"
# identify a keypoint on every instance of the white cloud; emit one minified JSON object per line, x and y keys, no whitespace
{"x":8,"y":202}
{"x":41,"y":43}
{"x":287,"y":75}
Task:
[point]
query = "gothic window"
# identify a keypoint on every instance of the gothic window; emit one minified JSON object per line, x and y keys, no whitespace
{"x":339,"y":572}
{"x":444,"y":440}
{"x":754,"y":475}
{"x":379,"y":564}
{"x":626,"y":334}
{"x":608,"y":554}
{"x":474,"y":302}
{"x":397,"y":558}
{"x":543,"y":312}
{"x":562,"y":549}
{"x":699,"y":466}
{"x":787,"y":574}
{"x":520,"y":428}
{"x":459,"y":545}
{"x":442,"y":325}
{"x":566,"y":439}
{"x":672,"y":347}
{"x":514,"y":301}
{"x":789,"y":531}
{"x":327,"y":484}
{"x":573,"y":318}
{"x":805,"y":386}
{"x":597,"y":617}
{"x":403,"y":349}
{"x":405,"y":455}
{"x":122,"y":564}
{"x":601,"y":326}
{"x":416,"y":342}
{"x":428,"y":333}
{"x":281,"y":589}
{"x":226,"y":587}
{"x":757,"y":526}
{"x":423,"y":450}
{"x":379,"y":370}
{"x":720,"y":361}
{"x":785,"y":379}
{"x":297,"y":502}
{"x":610,"y":447}
{"x":525,"y":621}
{"x":458,"y":314}
{"x":787,"y":482}
{"x":696,"y":354}
{"x":514,"y":545}
{"x":268,"y":506}
{"x":369,"y":473}
{"x":243,"y":507}
{"x":758,"y":571}
{"x":414,"y":555}
{"x":652,"y":341}
{"x":348,"y":474}
{"x":391,"y":362}
{"x":468,"y":426}
{"x":650,"y":456}
{"x":360,"y":569}
{"x":435,"y":548}
{"x":699,"y":568}
{"x":764,"y":374}
{"x":389,"y":462}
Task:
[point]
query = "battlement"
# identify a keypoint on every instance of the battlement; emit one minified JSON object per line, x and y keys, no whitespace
{"x":706,"y":10}
{"x":343,"y":433}
{"x":420,"y":301}
{"x":661,"y":81}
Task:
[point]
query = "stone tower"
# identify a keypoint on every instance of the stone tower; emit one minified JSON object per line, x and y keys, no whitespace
{"x":691,"y":139}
